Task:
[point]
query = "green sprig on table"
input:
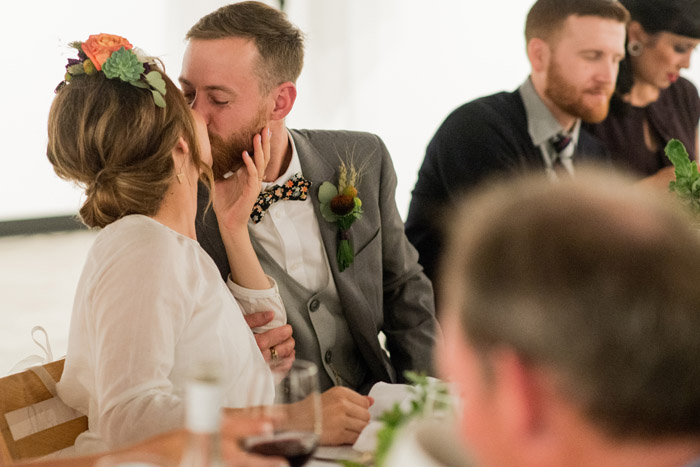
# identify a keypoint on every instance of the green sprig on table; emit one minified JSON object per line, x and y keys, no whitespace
{"x":429,"y":395}
{"x":687,"y":182}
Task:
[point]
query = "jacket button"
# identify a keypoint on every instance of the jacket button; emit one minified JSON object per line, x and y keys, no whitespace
{"x":329,"y":356}
{"x":313,"y":306}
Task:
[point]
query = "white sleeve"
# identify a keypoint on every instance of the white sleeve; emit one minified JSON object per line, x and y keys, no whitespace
{"x":253,"y":301}
{"x":141,"y":308}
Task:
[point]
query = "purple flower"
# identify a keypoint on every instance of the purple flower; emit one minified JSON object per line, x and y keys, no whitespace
{"x":72,"y":61}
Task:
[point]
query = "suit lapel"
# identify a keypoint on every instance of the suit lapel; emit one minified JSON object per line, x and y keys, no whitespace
{"x":317,"y":169}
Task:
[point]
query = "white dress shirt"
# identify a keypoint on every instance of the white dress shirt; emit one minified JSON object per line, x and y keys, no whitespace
{"x":290,"y":233}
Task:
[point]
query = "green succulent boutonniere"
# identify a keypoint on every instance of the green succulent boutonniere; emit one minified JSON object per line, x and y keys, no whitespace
{"x":342,"y":206}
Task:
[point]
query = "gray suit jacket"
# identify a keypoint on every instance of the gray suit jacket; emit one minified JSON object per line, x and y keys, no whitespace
{"x":385,"y":288}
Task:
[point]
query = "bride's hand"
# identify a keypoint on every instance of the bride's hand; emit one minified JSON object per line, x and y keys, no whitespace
{"x":235,"y":196}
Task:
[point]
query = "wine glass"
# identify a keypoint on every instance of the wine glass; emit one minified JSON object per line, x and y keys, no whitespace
{"x":295,"y":416}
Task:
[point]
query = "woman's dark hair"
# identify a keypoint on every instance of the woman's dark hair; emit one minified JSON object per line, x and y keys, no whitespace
{"x":680,"y":17}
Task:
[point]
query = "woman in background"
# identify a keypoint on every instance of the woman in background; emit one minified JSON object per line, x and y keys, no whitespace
{"x":652,"y":102}
{"x":151,"y":309}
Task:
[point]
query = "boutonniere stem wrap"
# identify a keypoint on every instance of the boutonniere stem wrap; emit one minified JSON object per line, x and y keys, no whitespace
{"x":341,"y":206}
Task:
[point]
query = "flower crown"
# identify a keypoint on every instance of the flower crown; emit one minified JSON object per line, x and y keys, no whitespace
{"x":113,"y":56}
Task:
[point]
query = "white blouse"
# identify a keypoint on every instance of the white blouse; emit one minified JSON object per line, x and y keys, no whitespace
{"x":150,"y":309}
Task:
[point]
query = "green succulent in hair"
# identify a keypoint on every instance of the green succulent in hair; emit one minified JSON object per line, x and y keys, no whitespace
{"x":156,"y":81}
{"x":123,"y":64}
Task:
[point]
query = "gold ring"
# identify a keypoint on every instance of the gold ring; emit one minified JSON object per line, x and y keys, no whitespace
{"x":273,"y":353}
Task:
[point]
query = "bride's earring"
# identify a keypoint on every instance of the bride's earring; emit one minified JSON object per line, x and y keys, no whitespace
{"x":181,"y":174}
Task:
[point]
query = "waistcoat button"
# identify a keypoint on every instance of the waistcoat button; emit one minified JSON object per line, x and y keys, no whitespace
{"x":313,"y":306}
{"x":329,"y":356}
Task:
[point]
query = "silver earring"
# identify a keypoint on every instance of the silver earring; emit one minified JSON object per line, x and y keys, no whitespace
{"x":635,"y":48}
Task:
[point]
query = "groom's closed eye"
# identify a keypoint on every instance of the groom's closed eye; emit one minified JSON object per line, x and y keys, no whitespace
{"x":189,"y":97}
{"x":219,"y":102}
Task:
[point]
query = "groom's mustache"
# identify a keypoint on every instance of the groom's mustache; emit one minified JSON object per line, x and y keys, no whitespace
{"x":225,"y":158}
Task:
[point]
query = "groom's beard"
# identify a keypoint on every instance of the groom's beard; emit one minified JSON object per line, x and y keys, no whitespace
{"x":227,"y":155}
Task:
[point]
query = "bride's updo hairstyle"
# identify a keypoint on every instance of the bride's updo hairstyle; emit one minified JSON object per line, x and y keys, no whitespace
{"x":112,"y":139}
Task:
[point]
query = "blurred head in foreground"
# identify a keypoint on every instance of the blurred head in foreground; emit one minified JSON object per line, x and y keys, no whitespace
{"x":572,"y":315}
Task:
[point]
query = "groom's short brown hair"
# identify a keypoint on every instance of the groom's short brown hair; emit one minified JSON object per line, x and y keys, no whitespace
{"x":280,"y":44}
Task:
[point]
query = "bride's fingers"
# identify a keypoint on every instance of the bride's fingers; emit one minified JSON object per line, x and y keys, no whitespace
{"x":266,"y":137}
{"x":253,"y":176}
{"x":259,"y":155}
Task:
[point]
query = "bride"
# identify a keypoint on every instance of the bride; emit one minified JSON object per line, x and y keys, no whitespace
{"x":150,"y":307}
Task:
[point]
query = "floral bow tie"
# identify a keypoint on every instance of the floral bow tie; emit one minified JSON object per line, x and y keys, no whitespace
{"x":296,"y":188}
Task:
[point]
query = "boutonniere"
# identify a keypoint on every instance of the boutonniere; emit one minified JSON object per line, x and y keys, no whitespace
{"x":342,"y":206}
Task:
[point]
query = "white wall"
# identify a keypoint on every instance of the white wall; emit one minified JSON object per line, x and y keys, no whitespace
{"x":35,"y":37}
{"x":397,"y":68}
{"x":392,"y":67}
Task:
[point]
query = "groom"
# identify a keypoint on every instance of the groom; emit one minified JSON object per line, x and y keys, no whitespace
{"x":239,"y":72}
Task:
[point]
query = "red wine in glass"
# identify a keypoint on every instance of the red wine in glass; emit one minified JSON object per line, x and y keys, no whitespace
{"x":297,"y":447}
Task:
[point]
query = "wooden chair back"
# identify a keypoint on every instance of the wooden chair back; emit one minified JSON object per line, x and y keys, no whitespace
{"x":31,"y":423}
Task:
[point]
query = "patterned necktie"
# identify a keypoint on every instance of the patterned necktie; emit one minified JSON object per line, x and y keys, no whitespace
{"x":561,"y":141}
{"x":563,"y":163}
{"x":296,"y":188}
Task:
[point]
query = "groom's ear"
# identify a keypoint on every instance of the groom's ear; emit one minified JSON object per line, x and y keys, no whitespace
{"x":284,"y":96}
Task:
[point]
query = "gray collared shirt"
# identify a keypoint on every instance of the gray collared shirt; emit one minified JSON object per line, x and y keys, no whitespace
{"x":542,"y":126}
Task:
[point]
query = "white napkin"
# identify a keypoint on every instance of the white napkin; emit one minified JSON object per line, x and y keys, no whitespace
{"x":385,"y":396}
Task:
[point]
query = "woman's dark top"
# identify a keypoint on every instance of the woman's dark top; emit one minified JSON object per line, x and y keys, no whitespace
{"x":674,"y":115}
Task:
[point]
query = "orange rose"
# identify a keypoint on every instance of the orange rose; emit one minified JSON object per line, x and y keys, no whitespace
{"x":100,"y":47}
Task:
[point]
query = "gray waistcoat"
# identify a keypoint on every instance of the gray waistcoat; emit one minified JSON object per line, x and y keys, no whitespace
{"x":320,"y":329}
